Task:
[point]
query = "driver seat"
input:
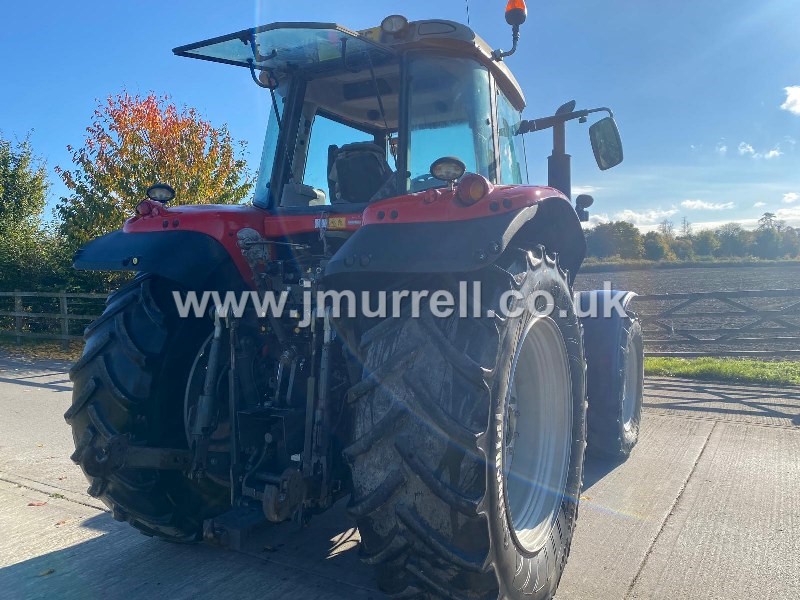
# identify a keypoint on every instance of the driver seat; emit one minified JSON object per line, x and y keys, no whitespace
{"x":356,"y":172}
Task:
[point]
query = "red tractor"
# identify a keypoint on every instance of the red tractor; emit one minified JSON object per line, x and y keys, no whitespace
{"x":393,"y":165}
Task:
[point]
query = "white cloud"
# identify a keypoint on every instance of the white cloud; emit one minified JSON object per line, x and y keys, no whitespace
{"x":746,"y":223}
{"x":792,"y":103}
{"x":746,"y":149}
{"x":584,"y":189}
{"x":597,"y":219}
{"x":647,"y":217}
{"x":703,"y":205}
{"x":759,"y":204}
{"x":791,"y":197}
{"x":789,"y":215}
{"x":722,"y":149}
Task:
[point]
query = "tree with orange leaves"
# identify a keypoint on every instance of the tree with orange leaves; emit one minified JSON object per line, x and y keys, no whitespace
{"x":134,"y":142}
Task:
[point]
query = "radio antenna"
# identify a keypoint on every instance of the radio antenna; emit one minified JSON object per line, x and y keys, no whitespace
{"x":467,"y":1}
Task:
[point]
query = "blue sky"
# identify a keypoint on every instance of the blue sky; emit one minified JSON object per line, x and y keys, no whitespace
{"x":699,"y":88}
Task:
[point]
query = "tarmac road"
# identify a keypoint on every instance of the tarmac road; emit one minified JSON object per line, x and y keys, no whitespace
{"x":708,"y":507}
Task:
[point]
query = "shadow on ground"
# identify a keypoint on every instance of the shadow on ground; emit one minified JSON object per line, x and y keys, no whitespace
{"x":778,"y":406}
{"x":277,"y":562}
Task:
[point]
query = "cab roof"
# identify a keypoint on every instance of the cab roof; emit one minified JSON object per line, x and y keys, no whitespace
{"x":315,"y":46}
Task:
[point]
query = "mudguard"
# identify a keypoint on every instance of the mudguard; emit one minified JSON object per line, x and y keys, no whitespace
{"x":455,"y":246}
{"x":190,"y":258}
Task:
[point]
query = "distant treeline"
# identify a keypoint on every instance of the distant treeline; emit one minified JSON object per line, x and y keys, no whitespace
{"x":622,"y":240}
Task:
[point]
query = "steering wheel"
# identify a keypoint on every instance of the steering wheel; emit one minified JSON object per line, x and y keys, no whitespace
{"x":419,"y":183}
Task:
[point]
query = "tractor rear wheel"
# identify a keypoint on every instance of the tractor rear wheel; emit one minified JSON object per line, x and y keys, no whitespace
{"x":469,"y":435}
{"x":130,"y":382}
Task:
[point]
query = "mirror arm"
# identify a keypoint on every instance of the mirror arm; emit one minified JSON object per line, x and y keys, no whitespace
{"x":528,"y":126}
{"x":559,"y":170}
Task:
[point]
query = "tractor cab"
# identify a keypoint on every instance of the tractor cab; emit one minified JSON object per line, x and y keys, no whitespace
{"x":361,"y":116}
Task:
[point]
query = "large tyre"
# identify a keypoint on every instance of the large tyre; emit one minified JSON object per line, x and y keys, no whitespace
{"x":443,"y":507}
{"x":615,"y":383}
{"x":130,"y":381}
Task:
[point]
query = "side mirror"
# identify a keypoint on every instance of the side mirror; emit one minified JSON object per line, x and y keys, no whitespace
{"x":606,"y":143}
{"x":583,"y":202}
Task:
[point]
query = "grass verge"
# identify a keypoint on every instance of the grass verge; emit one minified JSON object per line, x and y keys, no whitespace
{"x":740,"y":370}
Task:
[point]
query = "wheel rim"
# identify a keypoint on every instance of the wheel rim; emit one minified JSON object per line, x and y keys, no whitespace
{"x":630,"y":389}
{"x":538,"y":434}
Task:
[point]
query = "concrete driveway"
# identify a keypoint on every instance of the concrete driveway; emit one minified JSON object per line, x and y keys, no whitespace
{"x":707,"y":507}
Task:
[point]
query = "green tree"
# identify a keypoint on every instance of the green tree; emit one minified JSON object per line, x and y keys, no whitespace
{"x":618,"y":238}
{"x":23,"y":188}
{"x":24,"y":245}
{"x":656,"y":246}
{"x":134,"y":142}
{"x":682,"y":248}
{"x":769,"y":221}
{"x":767,"y":243}
{"x":733,"y":240}
{"x":705,"y":243}
{"x":790,"y":242}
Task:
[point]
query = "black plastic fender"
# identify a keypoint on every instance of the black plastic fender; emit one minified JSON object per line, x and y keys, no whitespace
{"x":190,"y":258}
{"x":461,"y":246}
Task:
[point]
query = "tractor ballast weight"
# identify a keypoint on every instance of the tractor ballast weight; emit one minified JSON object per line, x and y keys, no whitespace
{"x":458,"y":437}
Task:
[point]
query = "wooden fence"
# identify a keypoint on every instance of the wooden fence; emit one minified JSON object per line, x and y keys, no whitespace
{"x":762,"y":323}
{"x":48,"y":315}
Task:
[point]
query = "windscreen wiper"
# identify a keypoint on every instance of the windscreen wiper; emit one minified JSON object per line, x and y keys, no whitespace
{"x":380,"y":100}
{"x":258,"y":57}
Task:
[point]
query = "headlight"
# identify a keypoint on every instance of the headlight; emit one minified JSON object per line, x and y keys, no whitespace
{"x":394,"y":24}
{"x":161,"y":192}
{"x":448,"y":168}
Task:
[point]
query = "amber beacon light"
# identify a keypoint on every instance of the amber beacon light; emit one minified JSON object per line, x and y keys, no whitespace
{"x":516,"y":12}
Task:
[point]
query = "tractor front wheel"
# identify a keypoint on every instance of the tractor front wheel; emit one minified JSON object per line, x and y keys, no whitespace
{"x":615,"y":356}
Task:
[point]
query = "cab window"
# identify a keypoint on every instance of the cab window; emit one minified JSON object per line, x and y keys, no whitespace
{"x":326,"y":133}
{"x":512,"y":154}
{"x":449,"y":115}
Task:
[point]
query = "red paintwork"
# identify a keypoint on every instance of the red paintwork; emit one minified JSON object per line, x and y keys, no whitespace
{"x":439,"y":205}
{"x":218,"y":221}
{"x":223,"y":222}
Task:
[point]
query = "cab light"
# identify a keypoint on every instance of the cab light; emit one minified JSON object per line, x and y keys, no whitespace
{"x":161,"y":192}
{"x":394,"y":24}
{"x":472,"y":188}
